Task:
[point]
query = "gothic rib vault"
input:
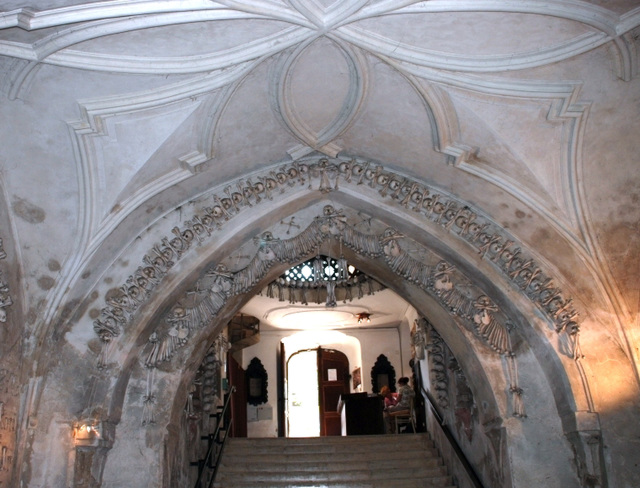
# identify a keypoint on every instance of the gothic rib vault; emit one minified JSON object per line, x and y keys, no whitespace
{"x":477,"y":158}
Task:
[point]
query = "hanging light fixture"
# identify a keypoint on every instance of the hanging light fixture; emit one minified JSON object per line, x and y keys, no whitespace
{"x":364,"y":317}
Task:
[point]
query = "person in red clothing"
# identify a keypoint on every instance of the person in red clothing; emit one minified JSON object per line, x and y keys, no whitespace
{"x":390,"y":398}
{"x":403,"y":402}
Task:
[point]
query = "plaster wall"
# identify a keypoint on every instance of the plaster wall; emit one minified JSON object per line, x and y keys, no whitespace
{"x":362,"y":348}
{"x":121,"y":118}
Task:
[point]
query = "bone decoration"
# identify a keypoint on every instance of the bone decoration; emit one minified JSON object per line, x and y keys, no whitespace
{"x":433,"y":205}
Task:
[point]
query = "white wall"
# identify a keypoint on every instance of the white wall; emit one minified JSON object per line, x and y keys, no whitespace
{"x":361,"y":346}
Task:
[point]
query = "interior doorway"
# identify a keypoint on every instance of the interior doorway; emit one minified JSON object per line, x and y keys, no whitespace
{"x":303,"y":407}
{"x":315,"y":380}
{"x":333,"y":381}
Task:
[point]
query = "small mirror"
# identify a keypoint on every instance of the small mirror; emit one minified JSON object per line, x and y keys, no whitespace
{"x":383,"y":374}
{"x":257,"y":380}
{"x":383,"y":380}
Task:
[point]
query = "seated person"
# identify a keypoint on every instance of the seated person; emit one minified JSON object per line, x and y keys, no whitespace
{"x":403,"y":404}
{"x":390,"y":398}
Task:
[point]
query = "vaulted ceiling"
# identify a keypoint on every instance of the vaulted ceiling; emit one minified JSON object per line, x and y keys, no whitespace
{"x":125,"y":110}
{"x":122,"y":120}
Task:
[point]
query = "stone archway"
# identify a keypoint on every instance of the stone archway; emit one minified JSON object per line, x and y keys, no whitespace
{"x":382,"y":246}
{"x":459,"y":269}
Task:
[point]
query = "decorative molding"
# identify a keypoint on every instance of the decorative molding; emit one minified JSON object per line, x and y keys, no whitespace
{"x":465,"y":302}
{"x":563,"y":106}
{"x":311,"y":15}
{"x":326,"y":17}
{"x":5,"y":297}
{"x":577,"y":10}
{"x":205,"y":392}
{"x":115,"y":17}
{"x":29,"y":19}
{"x":419,"y":339}
{"x":628,"y":21}
{"x":319,"y":141}
{"x":438,"y":377}
{"x":52,"y":48}
{"x":627,"y":56}
{"x":305,"y":293}
{"x":296,"y":287}
{"x":588,"y":449}
{"x":219,"y":283}
{"x":161,"y":65}
{"x":491,"y":242}
{"x":465,"y":406}
{"x":404,"y":53}
{"x":95,"y":114}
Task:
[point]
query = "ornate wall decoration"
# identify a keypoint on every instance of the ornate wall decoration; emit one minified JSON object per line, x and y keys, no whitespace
{"x":205,"y":391}
{"x":437,"y":367}
{"x":419,"y":338}
{"x":326,"y":175}
{"x":199,"y":306}
{"x":464,"y":403}
{"x":5,"y":297}
{"x":212,"y":366}
{"x":448,"y":381}
{"x":9,"y":382}
{"x":492,"y":243}
{"x":300,"y":285}
{"x":149,"y":400}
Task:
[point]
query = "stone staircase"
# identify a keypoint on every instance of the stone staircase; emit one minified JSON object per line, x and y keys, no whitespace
{"x":368,"y":461}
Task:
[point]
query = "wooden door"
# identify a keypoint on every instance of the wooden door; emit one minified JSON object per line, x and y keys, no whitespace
{"x":239,"y":399}
{"x":282,"y":399}
{"x":333,"y":381}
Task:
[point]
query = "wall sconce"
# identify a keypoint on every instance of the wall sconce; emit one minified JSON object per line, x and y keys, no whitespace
{"x":87,"y":432}
{"x":364,"y":317}
{"x":93,"y":433}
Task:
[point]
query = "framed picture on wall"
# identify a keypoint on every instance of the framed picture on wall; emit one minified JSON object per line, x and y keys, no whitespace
{"x":357,"y":378}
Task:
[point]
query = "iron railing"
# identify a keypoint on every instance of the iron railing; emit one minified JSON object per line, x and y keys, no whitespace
{"x":464,"y":462}
{"x":209,"y":465}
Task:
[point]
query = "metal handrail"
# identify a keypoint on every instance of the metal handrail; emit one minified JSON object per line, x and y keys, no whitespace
{"x":473,"y":477}
{"x":213,"y":441}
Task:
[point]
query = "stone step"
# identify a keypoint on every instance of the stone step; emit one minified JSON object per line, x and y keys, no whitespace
{"x":344,"y":462}
{"x":284,"y":455}
{"x":368,"y":443}
{"x":408,"y":483}
{"x":342,"y":440}
{"x":398,"y":461}
{"x":347,"y":484}
{"x":294,"y":475}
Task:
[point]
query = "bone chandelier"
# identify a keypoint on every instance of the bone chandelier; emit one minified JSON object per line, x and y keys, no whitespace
{"x":322,"y":278}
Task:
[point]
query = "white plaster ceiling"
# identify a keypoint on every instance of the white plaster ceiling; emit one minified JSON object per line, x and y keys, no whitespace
{"x":387,"y":309}
{"x":115,"y":113}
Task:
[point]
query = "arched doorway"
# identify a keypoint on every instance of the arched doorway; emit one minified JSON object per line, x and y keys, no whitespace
{"x":333,"y":381}
{"x":315,"y":379}
{"x":302,"y":411}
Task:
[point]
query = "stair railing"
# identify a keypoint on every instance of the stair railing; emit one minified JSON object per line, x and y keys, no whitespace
{"x":211,"y":460}
{"x":462,"y":459}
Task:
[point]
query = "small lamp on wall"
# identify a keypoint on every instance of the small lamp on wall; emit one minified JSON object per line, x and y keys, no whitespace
{"x":364,"y":317}
{"x":92,"y":432}
{"x":86,"y":432}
